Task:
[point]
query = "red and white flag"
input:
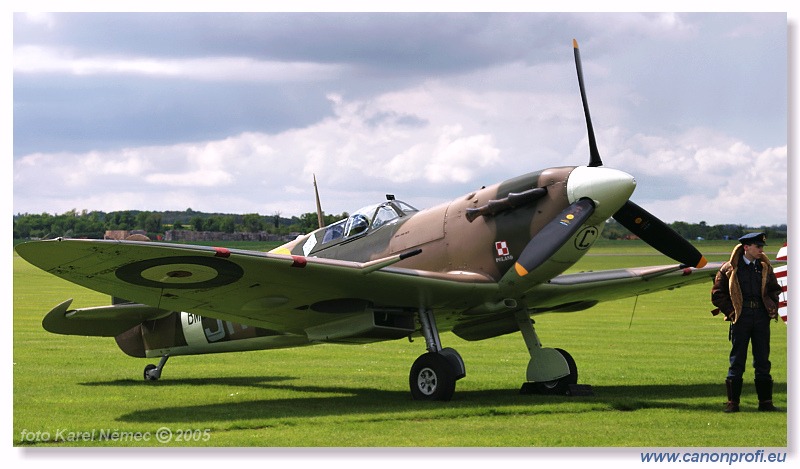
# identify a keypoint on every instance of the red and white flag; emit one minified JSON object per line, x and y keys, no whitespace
{"x":502,"y":248}
{"x":781,"y":272}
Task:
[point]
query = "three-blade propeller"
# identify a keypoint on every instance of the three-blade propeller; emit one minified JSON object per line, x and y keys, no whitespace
{"x":640,"y":222}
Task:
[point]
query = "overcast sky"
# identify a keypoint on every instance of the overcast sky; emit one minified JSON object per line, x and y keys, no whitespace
{"x":234,"y":113}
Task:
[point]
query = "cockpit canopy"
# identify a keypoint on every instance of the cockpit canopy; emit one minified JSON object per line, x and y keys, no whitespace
{"x":366,"y":219}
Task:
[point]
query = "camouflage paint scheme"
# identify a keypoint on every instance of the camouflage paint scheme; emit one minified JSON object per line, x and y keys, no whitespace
{"x":480,"y":265}
{"x":292,"y":297}
{"x":437,"y":229}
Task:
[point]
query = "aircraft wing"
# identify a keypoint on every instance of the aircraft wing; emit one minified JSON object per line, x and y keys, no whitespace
{"x":321,"y":298}
{"x":619,"y":283}
{"x":580,"y":291}
{"x":275,"y":291}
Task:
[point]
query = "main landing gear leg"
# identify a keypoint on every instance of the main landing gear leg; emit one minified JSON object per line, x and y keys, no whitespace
{"x":153,"y":372}
{"x":433,"y":375}
{"x":550,"y":371}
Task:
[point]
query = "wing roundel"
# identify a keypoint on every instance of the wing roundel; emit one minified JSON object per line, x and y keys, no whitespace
{"x":181,"y":272}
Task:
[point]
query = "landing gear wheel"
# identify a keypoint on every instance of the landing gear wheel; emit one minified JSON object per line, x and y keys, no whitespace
{"x":151,"y":373}
{"x":561,"y":385}
{"x":432,"y":378}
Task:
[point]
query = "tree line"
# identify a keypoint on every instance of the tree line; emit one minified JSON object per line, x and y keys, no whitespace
{"x":94,"y":224}
{"x":701,"y":231}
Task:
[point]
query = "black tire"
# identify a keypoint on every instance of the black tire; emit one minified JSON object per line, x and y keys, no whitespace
{"x":147,"y":375}
{"x":432,"y":378}
{"x":561,"y":385}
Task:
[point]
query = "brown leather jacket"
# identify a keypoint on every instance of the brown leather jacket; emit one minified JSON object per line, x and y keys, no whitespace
{"x":726,"y":294}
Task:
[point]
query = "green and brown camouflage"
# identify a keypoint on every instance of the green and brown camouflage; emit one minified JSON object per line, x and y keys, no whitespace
{"x":450,"y":239}
{"x":480,"y":265}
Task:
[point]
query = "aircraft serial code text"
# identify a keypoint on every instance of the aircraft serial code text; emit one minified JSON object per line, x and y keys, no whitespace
{"x":163,"y":435}
{"x":728,"y":457}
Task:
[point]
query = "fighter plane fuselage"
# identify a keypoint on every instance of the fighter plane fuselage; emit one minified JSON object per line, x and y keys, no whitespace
{"x":483,"y":231}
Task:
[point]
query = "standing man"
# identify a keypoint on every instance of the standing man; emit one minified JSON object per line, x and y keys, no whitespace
{"x":746,"y":291}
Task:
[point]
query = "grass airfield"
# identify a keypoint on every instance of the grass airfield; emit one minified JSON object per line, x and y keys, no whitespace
{"x":656,"y":365}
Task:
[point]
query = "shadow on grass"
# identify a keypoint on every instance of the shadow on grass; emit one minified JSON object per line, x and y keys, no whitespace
{"x":315,"y":401}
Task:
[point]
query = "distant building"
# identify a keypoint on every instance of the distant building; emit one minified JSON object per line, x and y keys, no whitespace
{"x":192,"y":236}
{"x":123,"y":234}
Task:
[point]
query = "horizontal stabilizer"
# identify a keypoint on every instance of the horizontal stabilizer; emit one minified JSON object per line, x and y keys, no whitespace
{"x":101,"y":321}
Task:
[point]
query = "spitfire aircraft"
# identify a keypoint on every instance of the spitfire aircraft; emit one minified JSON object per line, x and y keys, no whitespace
{"x":480,"y":265}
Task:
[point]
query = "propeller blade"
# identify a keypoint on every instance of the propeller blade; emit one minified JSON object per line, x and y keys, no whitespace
{"x":550,"y":239}
{"x":659,"y":235}
{"x":594,"y":154}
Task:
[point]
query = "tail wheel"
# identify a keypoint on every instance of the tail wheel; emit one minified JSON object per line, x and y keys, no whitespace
{"x":432,"y":378}
{"x":150,"y":374}
{"x":153,"y":372}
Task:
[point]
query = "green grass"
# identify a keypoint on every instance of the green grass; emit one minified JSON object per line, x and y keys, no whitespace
{"x":657,"y":374}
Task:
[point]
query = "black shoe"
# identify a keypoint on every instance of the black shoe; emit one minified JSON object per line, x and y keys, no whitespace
{"x":767,"y":406}
{"x":764,"y":391}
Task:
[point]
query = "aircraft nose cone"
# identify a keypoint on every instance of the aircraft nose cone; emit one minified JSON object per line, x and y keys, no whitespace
{"x":608,"y":188}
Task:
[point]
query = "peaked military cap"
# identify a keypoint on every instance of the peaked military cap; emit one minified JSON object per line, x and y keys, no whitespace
{"x":754,"y":238}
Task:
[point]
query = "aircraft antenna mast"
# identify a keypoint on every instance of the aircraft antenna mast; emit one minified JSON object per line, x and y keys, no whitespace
{"x":320,"y":218}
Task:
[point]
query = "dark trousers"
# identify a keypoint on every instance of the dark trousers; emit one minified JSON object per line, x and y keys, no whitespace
{"x":752,"y":326}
